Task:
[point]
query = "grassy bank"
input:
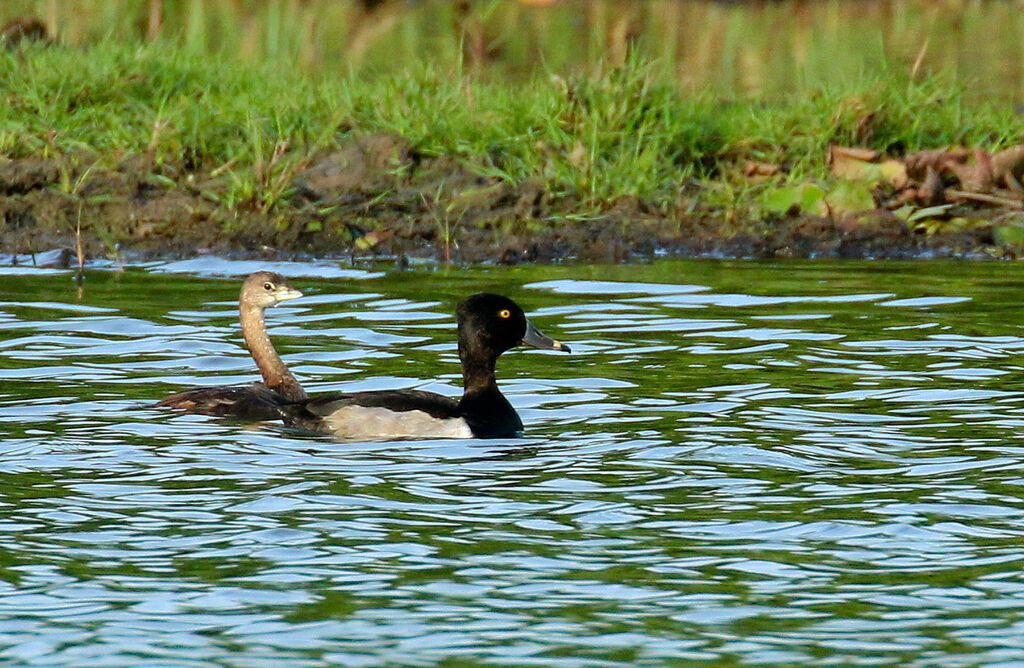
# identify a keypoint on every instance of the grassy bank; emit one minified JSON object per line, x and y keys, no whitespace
{"x":240,"y":138}
{"x":733,"y":49}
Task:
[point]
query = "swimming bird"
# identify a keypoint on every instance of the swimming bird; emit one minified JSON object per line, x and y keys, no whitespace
{"x":488,"y":325}
{"x":258,"y":401}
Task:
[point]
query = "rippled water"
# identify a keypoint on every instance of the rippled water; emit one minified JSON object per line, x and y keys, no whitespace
{"x":750,"y":462}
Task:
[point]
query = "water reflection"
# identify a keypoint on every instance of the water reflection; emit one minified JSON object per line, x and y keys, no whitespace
{"x":824,"y":468}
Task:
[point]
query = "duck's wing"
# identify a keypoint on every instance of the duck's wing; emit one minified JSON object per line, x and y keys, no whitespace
{"x":245,"y":402}
{"x":433,"y":404}
{"x":377,"y":414}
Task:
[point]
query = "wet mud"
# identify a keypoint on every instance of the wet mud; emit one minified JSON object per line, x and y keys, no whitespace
{"x":375,"y":196}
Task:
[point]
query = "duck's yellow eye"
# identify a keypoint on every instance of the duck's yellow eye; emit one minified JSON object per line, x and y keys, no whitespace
{"x":504,"y":313}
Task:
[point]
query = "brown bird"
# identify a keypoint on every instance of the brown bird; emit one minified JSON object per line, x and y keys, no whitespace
{"x":258,"y":401}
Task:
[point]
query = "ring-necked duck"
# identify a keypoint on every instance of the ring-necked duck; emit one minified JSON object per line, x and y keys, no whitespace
{"x":258,"y":401}
{"x":488,"y":326}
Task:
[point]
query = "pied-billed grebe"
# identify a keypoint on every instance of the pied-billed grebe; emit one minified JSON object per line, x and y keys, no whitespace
{"x":488,"y":326}
{"x":258,"y":401}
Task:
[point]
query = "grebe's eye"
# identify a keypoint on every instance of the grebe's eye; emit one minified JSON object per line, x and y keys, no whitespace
{"x":504,"y":313}
{"x":268,"y":286}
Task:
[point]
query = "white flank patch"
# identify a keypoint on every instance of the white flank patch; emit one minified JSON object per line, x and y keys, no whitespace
{"x":363,"y":423}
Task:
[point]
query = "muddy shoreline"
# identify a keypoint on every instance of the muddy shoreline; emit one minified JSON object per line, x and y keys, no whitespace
{"x":376,"y":197}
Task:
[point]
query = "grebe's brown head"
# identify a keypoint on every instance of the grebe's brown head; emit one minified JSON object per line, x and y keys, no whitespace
{"x":266,"y":288}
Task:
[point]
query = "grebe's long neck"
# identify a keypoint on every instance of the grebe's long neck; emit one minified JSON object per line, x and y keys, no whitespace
{"x":275,"y":373}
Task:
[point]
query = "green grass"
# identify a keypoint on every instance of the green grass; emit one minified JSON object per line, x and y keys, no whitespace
{"x":736,"y":49}
{"x":591,"y":140}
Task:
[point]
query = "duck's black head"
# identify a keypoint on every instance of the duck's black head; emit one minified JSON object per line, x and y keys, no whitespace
{"x":491,"y":324}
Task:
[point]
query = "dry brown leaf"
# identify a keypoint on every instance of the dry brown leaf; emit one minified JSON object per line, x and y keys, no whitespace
{"x":865,"y":154}
{"x":578,"y":154}
{"x":848,"y":166}
{"x":975,"y":175}
{"x":1008,"y":167}
{"x":918,"y":163}
{"x":895,"y":171}
{"x":372,"y":238}
{"x":760,"y":169}
{"x":860,"y":164}
{"x":931,"y":191}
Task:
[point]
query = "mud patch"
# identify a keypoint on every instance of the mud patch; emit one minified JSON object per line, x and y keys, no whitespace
{"x":18,"y":177}
{"x":375,"y":196}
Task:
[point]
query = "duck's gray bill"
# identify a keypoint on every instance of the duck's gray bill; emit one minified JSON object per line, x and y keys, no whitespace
{"x":537,"y":340}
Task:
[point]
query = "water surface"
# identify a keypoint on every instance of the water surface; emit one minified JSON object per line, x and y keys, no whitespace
{"x":756,"y":463}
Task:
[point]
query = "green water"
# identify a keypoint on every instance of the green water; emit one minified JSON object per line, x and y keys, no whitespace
{"x":748,"y":463}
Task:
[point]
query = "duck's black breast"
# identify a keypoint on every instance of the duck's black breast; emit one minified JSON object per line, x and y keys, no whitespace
{"x":490,"y":415}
